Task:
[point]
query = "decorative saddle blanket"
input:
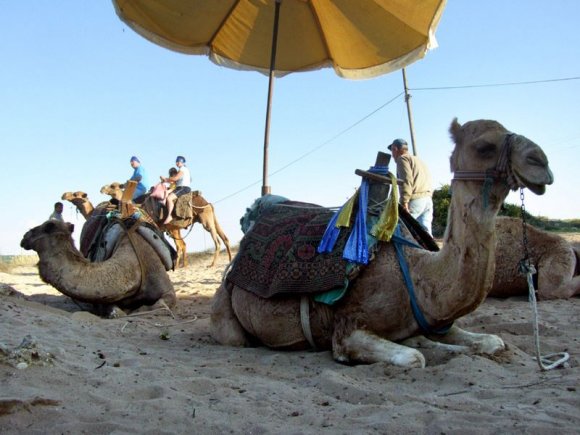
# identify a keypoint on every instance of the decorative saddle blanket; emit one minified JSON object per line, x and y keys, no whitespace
{"x":278,"y":254}
{"x":100,"y":236}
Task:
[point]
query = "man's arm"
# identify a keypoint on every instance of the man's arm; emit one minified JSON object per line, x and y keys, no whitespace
{"x":405,"y":173}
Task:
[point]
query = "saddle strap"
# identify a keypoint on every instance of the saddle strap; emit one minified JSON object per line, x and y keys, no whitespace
{"x":305,"y":320}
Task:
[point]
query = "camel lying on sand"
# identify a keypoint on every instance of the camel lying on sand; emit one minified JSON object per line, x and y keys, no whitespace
{"x":374,"y":321}
{"x":132,"y":277}
{"x":201,"y":211}
{"x":556,"y":261}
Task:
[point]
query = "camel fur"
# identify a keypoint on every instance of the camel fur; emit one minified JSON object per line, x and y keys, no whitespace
{"x":201,"y":211}
{"x":132,"y":277}
{"x":556,"y":261}
{"x":374,"y":321}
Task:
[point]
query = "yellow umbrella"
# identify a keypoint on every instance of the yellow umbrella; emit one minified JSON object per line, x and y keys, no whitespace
{"x":358,"y":38}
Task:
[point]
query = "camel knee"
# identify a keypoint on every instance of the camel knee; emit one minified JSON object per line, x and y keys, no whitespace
{"x":224,"y":325}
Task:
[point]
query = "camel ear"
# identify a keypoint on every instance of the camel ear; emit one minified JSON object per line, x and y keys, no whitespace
{"x":455,"y":131}
{"x":71,"y":227}
{"x":49,"y":227}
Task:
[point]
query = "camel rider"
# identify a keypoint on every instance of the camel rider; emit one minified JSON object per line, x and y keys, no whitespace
{"x":182,"y":180}
{"x":140,"y":177}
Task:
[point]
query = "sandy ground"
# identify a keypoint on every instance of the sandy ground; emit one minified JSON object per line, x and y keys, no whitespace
{"x":63,"y":370}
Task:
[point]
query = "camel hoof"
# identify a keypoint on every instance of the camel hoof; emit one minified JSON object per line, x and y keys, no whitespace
{"x":409,"y":359}
{"x":489,"y":345}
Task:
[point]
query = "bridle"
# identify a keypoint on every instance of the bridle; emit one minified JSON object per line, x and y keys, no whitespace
{"x":500,"y":172}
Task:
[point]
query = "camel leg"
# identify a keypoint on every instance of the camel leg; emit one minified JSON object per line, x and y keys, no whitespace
{"x":487,"y":344}
{"x":179,"y":246}
{"x":216,"y":241}
{"x":556,"y":278}
{"x":224,"y":325}
{"x":364,"y":347}
{"x":422,"y":342}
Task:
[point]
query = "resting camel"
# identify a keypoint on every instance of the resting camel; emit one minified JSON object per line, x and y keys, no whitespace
{"x":557,"y":262}
{"x":132,"y":277}
{"x":202,"y":212}
{"x":374,"y":321}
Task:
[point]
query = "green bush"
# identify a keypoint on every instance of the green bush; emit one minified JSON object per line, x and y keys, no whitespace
{"x":442,"y":199}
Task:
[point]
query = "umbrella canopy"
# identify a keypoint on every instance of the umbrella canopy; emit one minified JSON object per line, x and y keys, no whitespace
{"x":358,"y":38}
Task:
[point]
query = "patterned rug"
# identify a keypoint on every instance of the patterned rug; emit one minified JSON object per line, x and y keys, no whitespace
{"x":278,"y":254}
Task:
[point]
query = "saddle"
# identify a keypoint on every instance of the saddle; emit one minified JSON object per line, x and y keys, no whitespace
{"x":101,"y":234}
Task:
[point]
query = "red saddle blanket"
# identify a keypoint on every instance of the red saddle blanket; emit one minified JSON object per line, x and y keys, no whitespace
{"x":278,"y":254}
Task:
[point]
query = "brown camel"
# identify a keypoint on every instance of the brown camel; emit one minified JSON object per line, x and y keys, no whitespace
{"x":557,"y":262}
{"x":132,"y":277}
{"x":374,"y":321}
{"x":201,"y":211}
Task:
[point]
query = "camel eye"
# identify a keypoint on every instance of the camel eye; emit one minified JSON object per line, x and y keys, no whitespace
{"x":486,"y":150}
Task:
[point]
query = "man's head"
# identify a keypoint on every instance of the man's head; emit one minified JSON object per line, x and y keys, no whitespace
{"x":179,"y":161}
{"x":398,"y":147}
{"x":58,"y":207}
{"x":135,"y":162}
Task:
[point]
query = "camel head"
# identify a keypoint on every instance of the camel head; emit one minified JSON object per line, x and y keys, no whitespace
{"x":114,"y":190}
{"x":50,"y":229}
{"x":81,"y":201}
{"x":485,"y":150}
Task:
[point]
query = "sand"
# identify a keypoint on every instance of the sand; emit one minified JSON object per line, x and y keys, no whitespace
{"x":63,"y":370}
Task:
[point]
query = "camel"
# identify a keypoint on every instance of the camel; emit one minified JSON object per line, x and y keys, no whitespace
{"x":557,"y":262}
{"x":375,"y":321}
{"x":202,"y":212}
{"x":133,"y":276}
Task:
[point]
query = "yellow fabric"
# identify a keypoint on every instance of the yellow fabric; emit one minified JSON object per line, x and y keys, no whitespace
{"x":358,"y":38}
{"x":343,"y":219}
{"x":385,"y":227}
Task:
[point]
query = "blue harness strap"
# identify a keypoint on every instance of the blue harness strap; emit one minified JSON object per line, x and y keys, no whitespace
{"x":398,"y":242}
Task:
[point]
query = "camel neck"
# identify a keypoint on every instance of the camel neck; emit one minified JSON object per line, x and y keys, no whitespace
{"x":468,"y":252}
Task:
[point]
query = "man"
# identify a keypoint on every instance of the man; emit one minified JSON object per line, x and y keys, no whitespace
{"x":57,"y":213}
{"x":139,"y":176}
{"x":182,"y":182}
{"x":417,"y":191}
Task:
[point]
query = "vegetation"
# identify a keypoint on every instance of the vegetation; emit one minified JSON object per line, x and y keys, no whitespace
{"x":442,"y":198}
{"x":9,"y":262}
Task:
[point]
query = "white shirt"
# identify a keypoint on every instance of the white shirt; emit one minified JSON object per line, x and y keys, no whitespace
{"x":185,"y":180}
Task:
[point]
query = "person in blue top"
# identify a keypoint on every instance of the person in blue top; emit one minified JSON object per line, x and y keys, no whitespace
{"x":140,"y":177}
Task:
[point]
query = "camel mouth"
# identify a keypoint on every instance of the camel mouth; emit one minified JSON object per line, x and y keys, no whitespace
{"x":539,"y":188}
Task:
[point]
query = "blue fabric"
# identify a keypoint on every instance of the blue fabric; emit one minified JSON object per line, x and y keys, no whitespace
{"x":142,"y":184}
{"x":330,"y":235}
{"x":356,"y":248}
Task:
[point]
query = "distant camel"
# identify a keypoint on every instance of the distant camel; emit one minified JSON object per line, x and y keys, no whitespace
{"x":557,"y":262}
{"x":201,"y":211}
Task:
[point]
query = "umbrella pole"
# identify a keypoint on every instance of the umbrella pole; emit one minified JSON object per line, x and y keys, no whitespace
{"x":265,"y":188}
{"x":409,"y":114}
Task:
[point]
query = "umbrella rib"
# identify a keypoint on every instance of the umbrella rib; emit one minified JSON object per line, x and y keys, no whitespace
{"x":221,"y":25}
{"x":322,"y":34}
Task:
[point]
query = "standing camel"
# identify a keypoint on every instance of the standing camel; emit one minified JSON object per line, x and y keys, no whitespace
{"x":375,"y":321}
{"x":201,"y":211}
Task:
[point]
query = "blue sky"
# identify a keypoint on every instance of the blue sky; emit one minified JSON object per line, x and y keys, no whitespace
{"x":81,"y":93}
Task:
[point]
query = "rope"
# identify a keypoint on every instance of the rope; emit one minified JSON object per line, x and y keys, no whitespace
{"x":546,"y":362}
